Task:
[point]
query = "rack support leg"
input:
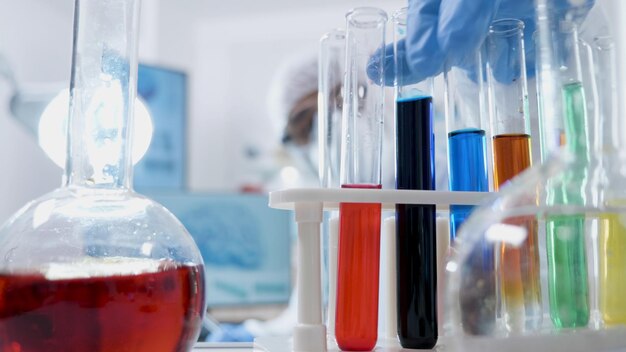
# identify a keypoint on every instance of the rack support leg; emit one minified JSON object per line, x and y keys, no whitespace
{"x":309,"y":334}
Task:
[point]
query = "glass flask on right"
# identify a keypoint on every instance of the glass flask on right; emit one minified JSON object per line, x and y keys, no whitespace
{"x":576,"y":198}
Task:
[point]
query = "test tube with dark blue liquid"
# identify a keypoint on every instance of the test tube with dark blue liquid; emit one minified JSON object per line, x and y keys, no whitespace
{"x":466,"y":123}
{"x":415,"y":223}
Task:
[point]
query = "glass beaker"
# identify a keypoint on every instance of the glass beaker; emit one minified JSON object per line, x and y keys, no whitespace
{"x":555,"y":191}
{"x":93,"y":266}
{"x":497,"y":223}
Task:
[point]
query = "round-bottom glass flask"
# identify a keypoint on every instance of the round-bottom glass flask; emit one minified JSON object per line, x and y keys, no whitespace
{"x":93,"y":266}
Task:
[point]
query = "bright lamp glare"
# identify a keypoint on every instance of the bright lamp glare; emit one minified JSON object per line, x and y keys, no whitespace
{"x":53,"y":129}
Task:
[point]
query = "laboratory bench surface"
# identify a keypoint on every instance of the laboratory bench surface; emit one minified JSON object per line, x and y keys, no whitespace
{"x":281,"y":344}
{"x":224,"y":347}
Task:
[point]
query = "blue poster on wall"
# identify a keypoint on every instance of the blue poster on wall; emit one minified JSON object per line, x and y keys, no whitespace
{"x":165,"y":93}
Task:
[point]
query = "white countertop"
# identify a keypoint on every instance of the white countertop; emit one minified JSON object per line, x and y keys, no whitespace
{"x":225,"y":347}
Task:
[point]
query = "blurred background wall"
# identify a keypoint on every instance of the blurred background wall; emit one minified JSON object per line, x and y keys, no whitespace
{"x":229,"y":50}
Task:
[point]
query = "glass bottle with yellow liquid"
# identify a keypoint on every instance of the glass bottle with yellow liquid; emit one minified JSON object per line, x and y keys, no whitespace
{"x":612,"y":233}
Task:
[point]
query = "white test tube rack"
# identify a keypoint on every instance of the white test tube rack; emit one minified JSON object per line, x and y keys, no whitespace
{"x":309,"y":334}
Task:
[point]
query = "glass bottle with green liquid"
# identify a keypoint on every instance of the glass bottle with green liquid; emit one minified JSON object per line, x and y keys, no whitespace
{"x":568,"y":288}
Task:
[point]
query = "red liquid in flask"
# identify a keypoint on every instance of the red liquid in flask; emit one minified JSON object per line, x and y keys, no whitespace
{"x":356,"y":319}
{"x":155,"y":311}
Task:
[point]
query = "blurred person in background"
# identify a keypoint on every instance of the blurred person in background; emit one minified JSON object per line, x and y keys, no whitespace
{"x":292,"y":104}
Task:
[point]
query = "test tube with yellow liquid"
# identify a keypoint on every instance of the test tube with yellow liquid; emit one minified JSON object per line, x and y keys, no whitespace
{"x":612,"y":270}
{"x":612,"y":234}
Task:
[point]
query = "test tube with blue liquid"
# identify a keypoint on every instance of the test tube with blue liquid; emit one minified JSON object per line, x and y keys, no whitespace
{"x":466,"y":124}
{"x":415,"y":223}
{"x":356,"y":319}
{"x":468,"y":170}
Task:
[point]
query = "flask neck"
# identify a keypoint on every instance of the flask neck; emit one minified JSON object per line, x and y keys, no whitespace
{"x":103,"y":87}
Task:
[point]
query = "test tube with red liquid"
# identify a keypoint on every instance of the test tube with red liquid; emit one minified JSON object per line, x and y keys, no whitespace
{"x":356,"y":318}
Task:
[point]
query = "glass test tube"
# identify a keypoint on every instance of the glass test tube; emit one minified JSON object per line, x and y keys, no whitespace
{"x":568,"y":289}
{"x":416,"y":246}
{"x":466,"y":122}
{"x":612,"y":235}
{"x":332,"y":61}
{"x":466,"y":126}
{"x":519,"y":281}
{"x":356,"y":322}
{"x":550,"y":110}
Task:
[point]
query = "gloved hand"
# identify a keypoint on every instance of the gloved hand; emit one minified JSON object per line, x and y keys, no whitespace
{"x":231,"y":333}
{"x":440,"y":31}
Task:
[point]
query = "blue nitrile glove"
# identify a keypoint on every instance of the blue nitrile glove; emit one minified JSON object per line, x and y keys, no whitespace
{"x":450,"y":30}
{"x":230,"y":333}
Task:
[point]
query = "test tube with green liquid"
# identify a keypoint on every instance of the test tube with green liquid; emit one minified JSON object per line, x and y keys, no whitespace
{"x":568,"y":289}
